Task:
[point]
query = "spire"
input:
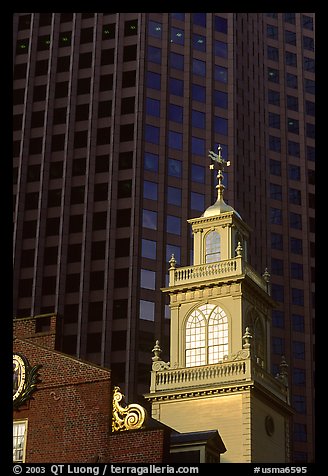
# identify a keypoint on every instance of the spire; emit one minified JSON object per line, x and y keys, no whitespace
{"x":219,"y":206}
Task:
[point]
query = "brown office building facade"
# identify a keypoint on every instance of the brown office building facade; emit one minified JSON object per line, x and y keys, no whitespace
{"x":114,"y":115}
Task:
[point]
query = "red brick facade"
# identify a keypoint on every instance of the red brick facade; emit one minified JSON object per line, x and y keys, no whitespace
{"x":69,"y":414}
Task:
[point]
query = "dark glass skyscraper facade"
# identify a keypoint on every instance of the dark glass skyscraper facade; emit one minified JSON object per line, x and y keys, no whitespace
{"x":114,"y":115}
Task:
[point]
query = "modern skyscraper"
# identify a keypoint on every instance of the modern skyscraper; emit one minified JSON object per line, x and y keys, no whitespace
{"x":114,"y":115}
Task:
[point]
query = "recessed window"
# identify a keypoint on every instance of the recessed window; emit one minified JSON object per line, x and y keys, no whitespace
{"x":147,"y":279}
{"x":131,"y":27}
{"x":126,"y":132}
{"x":173,"y":224}
{"x":149,"y":219}
{"x":199,"y":42}
{"x":124,"y":188}
{"x":153,"y":107}
{"x":121,"y":278}
{"x":99,"y":221}
{"x":273,"y":75}
{"x":198,"y":146}
{"x":155,"y":29}
{"x":197,"y":173}
{"x":86,"y":35}
{"x":221,"y":125}
{"x":220,"y":49}
{"x":151,"y":162}
{"x":122,"y":247}
{"x":19,"y":441}
{"x":220,"y":73}
{"x":128,"y":79}
{"x":150,"y":190}
{"x":177,"y":36}
{"x":154,"y":54}
{"x":274,"y":97}
{"x":108,"y":31}
{"x":147,"y":310}
{"x":198,"y":119}
{"x":291,"y":80}
{"x":275,"y":216}
{"x":198,"y":93}
{"x":130,"y":53}
{"x":175,"y":140}
{"x":174,"y":196}
{"x":174,"y":168}
{"x":176,"y":61}
{"x":151,"y":134}
{"x":153,"y":80}
{"x":123,"y":217}
{"x":175,"y":113}
{"x":199,"y":67}
{"x":220,"y":99}
{"x":220,"y":24}
{"x":212,"y":247}
{"x":82,"y":112}
{"x":197,"y":201}
{"x":148,"y":249}
{"x":120,"y":308}
{"x":199,"y":19}
{"x":296,"y":246}
{"x":107,"y":56}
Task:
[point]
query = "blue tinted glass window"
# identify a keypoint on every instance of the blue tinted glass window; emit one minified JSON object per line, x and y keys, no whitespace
{"x":310,"y":153}
{"x":310,"y":130}
{"x":310,"y":108}
{"x":176,"y":61}
{"x":272,"y":53}
{"x":290,"y":58}
{"x":289,"y":18}
{"x":298,"y":297}
{"x":175,"y":140}
{"x":198,"y":93}
{"x":199,"y":42}
{"x":292,"y":103}
{"x":152,"y":134}
{"x":274,"y":143}
{"x":308,"y":43}
{"x":197,"y":201}
{"x":290,"y":37}
{"x":298,"y":322}
{"x":299,"y":404}
{"x":309,"y":86}
{"x":293,"y":148}
{"x":275,"y":167}
{"x":298,"y":377}
{"x":173,"y":224}
{"x":272,"y":32}
{"x":291,"y":80}
{"x":178,"y":16}
{"x":295,"y":220}
{"x":275,"y":216}
{"x":174,"y":168}
{"x":154,"y":54}
{"x":220,"y":49}
{"x":278,"y":345}
{"x":273,"y":75}
{"x":296,"y":270}
{"x":221,"y":125}
{"x":294,"y":172}
{"x":296,"y":246}
{"x":148,"y":249}
{"x":220,"y":73}
{"x":155,"y":29}
{"x":153,"y":80}
{"x":149,"y":219}
{"x":221,"y":99}
{"x":197,"y":173}
{"x":177,"y":36}
{"x":274,"y":120}
{"x":292,"y":125}
{"x":277,"y":292}
{"x":274,"y":97}
{"x":198,"y":67}
{"x":153,"y":107}
{"x":174,"y":195}
{"x":147,"y":310}
{"x":278,"y":318}
{"x":307,"y":22}
{"x":175,"y":113}
{"x":277,"y":266}
{"x":176,"y":86}
{"x":198,"y":146}
{"x":295,"y":196}
{"x":151,"y":162}
{"x":275,"y":191}
{"x":199,"y":19}
{"x":150,"y":190}
{"x":309,"y":64}
{"x":198,"y":119}
{"x":220,"y":24}
{"x":147,"y":279}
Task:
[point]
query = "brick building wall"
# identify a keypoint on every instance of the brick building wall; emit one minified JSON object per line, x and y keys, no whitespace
{"x":147,"y":446}
{"x":70,"y":413}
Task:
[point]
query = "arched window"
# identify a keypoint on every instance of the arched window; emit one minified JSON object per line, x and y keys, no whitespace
{"x":206,"y":335}
{"x":213,"y":247}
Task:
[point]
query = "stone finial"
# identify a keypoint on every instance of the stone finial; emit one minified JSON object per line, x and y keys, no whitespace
{"x":266,"y":275}
{"x":247,"y":337}
{"x":239,"y":249}
{"x":157,"y":351}
{"x":172,"y":262}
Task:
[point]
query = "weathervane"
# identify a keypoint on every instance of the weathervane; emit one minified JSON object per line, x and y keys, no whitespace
{"x":218,"y":158}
